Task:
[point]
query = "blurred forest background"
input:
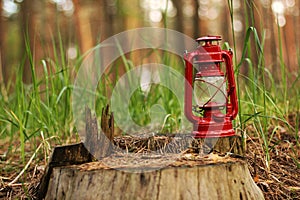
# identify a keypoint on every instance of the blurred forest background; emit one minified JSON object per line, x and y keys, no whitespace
{"x":79,"y":25}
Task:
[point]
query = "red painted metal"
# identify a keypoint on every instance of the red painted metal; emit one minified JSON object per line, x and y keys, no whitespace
{"x":206,"y":60}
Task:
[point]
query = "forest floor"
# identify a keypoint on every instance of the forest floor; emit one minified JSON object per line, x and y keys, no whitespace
{"x":278,"y":178}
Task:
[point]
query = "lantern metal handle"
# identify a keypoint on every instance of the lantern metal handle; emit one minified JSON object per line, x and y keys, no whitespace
{"x":188,"y":57}
{"x":227,"y":56}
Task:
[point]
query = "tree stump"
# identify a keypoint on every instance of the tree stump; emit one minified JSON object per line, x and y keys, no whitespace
{"x":158,"y":167}
{"x":227,"y":178}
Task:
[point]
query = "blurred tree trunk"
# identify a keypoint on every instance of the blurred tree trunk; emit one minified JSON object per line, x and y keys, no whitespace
{"x":296,"y":22}
{"x":196,"y":21}
{"x":226,"y":25}
{"x":83,"y":27}
{"x":203,"y":26}
{"x":250,"y":9}
{"x":248,"y":14}
{"x":2,"y":62}
{"x":119,"y":17}
{"x":131,"y":15}
{"x":272,"y":41}
{"x":107,"y":18}
{"x":243,"y":69}
{"x":5,"y":73}
{"x":179,"y":21}
{"x":288,"y":34}
{"x":27,"y":27}
{"x":77,"y":24}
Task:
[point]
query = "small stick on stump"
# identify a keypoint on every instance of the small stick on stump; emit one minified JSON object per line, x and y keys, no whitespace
{"x":107,"y":123}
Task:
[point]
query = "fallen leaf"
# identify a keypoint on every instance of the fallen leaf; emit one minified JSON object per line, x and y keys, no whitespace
{"x":256,"y":178}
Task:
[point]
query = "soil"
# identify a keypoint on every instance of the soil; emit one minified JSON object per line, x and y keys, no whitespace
{"x":278,"y":178}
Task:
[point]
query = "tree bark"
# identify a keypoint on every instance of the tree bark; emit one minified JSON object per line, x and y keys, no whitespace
{"x":63,"y":156}
{"x":223,"y":180}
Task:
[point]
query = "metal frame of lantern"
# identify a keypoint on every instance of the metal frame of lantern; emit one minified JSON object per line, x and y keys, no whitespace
{"x":216,"y":117}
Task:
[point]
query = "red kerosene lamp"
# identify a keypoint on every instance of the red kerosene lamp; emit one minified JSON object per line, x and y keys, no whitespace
{"x":212,"y":90}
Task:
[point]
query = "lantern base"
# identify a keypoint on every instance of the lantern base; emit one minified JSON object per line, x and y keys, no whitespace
{"x":213,"y":134}
{"x":213,"y":129}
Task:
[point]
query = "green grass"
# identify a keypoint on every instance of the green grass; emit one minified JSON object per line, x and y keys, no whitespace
{"x":40,"y":107}
{"x":142,"y":104}
{"x":44,"y":105}
{"x":263,"y":99}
